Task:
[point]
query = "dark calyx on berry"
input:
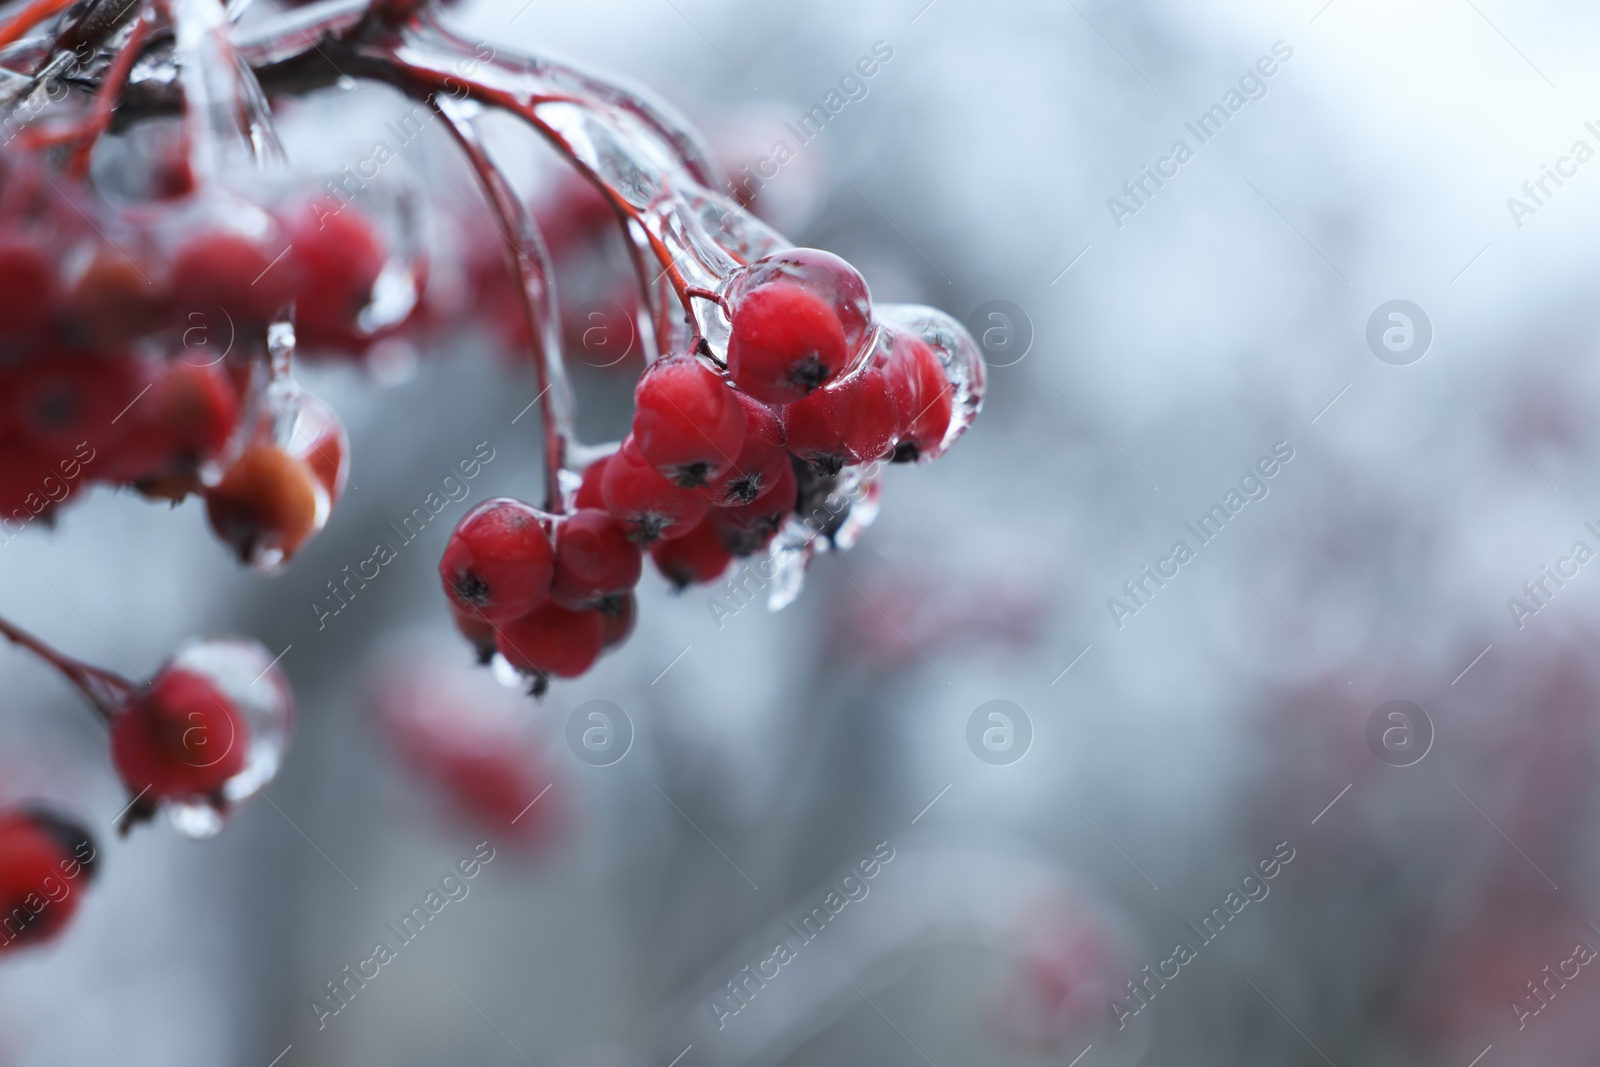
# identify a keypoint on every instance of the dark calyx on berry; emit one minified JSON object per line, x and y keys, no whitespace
{"x":75,"y":841}
{"x":809,"y":373}
{"x":471,"y":588}
{"x":692,"y":475}
{"x":905,"y":452}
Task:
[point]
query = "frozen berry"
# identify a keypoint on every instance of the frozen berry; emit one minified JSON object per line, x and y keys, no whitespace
{"x":179,"y":739}
{"x":27,"y":287}
{"x":760,"y":463}
{"x":800,"y":318}
{"x":650,"y":506}
{"x":745,"y":530}
{"x":340,"y":257}
{"x":699,"y":557}
{"x":238,"y":274}
{"x":620,"y":614}
{"x":924,"y":399}
{"x":499,"y":561}
{"x":851,"y":421}
{"x":589,"y":494}
{"x":265,"y":505}
{"x":187,"y":417}
{"x":61,"y":399}
{"x":478,"y":631}
{"x":594,"y":559}
{"x":553,"y":640}
{"x":42,"y":855}
{"x":687,"y":421}
{"x":116,"y":299}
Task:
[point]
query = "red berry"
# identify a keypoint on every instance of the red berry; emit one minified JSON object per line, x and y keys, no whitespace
{"x":265,"y":505}
{"x":63,"y":399}
{"x":694,"y":559}
{"x":499,"y":561}
{"x":851,"y":421}
{"x":800,"y":318}
{"x":745,"y":530}
{"x":554,"y":640}
{"x":594,"y":559}
{"x":41,"y":856}
{"x":478,"y":631}
{"x":116,"y":299}
{"x":179,"y":739}
{"x":760,"y":463}
{"x":589,"y":494}
{"x":27,"y":287}
{"x":186,"y":418}
{"x":620,"y":614}
{"x":650,"y":506}
{"x":340,"y":257}
{"x":924,"y":399}
{"x":238,"y":274}
{"x":687,"y":421}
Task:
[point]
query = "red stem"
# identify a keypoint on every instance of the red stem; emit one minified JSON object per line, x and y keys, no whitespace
{"x":105,"y":97}
{"x":104,"y":690}
{"x":29,"y":17}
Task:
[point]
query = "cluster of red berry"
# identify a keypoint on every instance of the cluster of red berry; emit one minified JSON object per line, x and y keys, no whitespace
{"x":120,"y":361}
{"x":709,"y":473}
{"x":153,"y":297}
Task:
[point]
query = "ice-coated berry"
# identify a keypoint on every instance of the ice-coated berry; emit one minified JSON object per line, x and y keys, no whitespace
{"x":553,"y":640}
{"x":46,"y":860}
{"x":340,"y":257}
{"x":499,"y":561}
{"x":265,"y":505}
{"x":760,"y":463}
{"x":851,"y":421}
{"x":179,"y":739}
{"x":589,"y":494}
{"x":746,"y":529}
{"x":699,"y":557}
{"x":594,"y":559}
{"x":648,"y":505}
{"x":687,"y":421}
{"x":233,"y":272}
{"x":923,"y":397}
{"x":800,"y":318}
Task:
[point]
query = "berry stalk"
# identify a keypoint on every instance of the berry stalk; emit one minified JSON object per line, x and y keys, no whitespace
{"x":106,"y":691}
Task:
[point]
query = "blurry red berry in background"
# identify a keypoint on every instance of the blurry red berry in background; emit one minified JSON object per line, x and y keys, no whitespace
{"x":61,"y":399}
{"x":339,"y":257}
{"x":499,"y":561}
{"x":265,"y":503}
{"x":186,"y":418}
{"x":465,"y":736}
{"x":46,"y":860}
{"x":28,"y":288}
{"x":246,"y":278}
{"x":115,"y":299}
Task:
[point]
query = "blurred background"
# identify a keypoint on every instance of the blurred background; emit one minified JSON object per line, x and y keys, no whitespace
{"x":1160,"y":743}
